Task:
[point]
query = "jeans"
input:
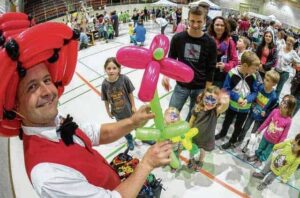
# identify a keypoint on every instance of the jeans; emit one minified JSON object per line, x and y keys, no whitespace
{"x":247,"y":126}
{"x":267,"y":170}
{"x":180,"y":95}
{"x":284,"y":76}
{"x":264,"y":149}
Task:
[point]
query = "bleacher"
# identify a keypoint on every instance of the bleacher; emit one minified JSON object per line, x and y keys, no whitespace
{"x":44,"y":10}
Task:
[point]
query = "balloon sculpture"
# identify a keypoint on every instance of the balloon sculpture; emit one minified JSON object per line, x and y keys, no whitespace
{"x":154,"y":62}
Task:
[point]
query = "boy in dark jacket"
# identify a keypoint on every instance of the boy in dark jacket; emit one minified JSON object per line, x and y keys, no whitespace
{"x":241,"y":84}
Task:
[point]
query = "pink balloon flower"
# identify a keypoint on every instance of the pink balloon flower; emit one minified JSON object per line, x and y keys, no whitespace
{"x":154,"y":62}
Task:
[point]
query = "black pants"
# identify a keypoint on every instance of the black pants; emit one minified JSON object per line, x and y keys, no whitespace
{"x":238,"y":125}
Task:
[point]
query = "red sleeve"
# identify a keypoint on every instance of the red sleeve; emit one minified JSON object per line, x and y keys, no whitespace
{"x":233,"y":61}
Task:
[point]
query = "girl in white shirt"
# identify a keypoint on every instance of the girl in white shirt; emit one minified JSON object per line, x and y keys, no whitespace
{"x":286,"y":57}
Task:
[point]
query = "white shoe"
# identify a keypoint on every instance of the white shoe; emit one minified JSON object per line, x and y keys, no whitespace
{"x":138,"y":142}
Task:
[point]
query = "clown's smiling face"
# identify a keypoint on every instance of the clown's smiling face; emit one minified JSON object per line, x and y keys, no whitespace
{"x":37,"y":97}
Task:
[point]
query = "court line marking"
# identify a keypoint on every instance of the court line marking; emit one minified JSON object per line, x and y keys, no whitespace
{"x":215,"y":179}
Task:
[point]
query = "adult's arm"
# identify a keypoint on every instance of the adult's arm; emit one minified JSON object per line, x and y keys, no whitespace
{"x":111,"y":132}
{"x":233,"y":61}
{"x":272,"y":60}
{"x":211,"y":61}
{"x":55,"y":180}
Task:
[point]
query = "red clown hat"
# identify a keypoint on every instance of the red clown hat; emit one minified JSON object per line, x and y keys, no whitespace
{"x":54,"y":44}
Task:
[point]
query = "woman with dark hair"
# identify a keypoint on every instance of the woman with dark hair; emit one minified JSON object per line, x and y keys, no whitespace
{"x":267,"y":53}
{"x":226,"y":51}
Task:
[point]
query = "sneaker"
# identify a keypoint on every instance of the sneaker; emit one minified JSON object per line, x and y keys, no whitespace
{"x":262,"y":186}
{"x":138,"y":142}
{"x":257,"y":163}
{"x":237,"y":144}
{"x":192,"y":164}
{"x":252,"y":158}
{"x":258,"y":175}
{"x":173,"y":170}
{"x":219,"y":136}
{"x":199,"y":164}
{"x":227,"y":145}
{"x":130,"y":144}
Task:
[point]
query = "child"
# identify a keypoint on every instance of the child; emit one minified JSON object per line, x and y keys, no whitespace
{"x":172,"y":116}
{"x":241,"y":84}
{"x":110,"y":30}
{"x":265,"y":101}
{"x":210,"y":104}
{"x":277,"y":126}
{"x":131,"y":32}
{"x":284,"y":162}
{"x":140,"y":33}
{"x":242,"y":45}
{"x":117,"y":93}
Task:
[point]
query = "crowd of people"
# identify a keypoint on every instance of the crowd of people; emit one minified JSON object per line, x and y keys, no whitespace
{"x":251,"y":64}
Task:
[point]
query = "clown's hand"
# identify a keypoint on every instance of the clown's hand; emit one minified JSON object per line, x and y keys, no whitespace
{"x":141,"y":116}
{"x":157,"y":155}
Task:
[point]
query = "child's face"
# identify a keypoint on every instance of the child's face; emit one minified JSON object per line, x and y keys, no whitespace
{"x":284,"y":106}
{"x":171,"y":116}
{"x":295,"y":146}
{"x":210,"y":100}
{"x":252,"y":69}
{"x":240,"y":44}
{"x":268,"y":83}
{"x":112,"y":71}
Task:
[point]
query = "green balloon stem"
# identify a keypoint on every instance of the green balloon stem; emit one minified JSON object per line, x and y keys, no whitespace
{"x":159,"y":124}
{"x":156,"y":109}
{"x":175,"y":163}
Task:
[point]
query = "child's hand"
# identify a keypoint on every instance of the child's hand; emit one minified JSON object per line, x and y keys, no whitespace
{"x":263,"y":114}
{"x":133,"y":109}
{"x":242,"y":102}
{"x":224,"y":97}
{"x":257,"y":133}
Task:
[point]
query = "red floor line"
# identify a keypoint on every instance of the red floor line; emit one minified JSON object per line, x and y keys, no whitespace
{"x":88,"y":84}
{"x":215,"y":179}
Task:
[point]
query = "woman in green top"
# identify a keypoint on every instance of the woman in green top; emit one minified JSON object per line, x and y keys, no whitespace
{"x":284,"y":162}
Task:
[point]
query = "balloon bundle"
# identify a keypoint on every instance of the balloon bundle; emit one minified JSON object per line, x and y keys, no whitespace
{"x":151,"y":188}
{"x":124,"y":164}
{"x":154,"y":62}
{"x":12,"y":23}
{"x":53,"y":44}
